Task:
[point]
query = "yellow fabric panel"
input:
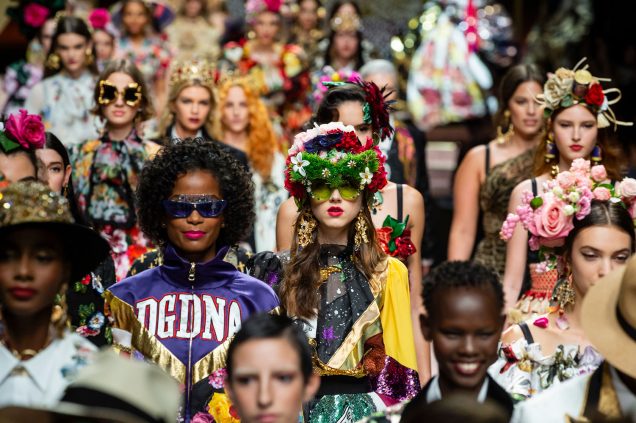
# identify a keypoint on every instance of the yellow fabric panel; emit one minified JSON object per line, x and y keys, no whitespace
{"x":395,"y":315}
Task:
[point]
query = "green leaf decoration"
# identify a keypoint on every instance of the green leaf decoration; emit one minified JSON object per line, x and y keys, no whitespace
{"x":79,"y":287}
{"x":397,"y":228}
{"x":567,"y":101}
{"x":366,"y":109}
{"x":547,"y":113}
{"x":7,"y":144}
{"x":85,"y":311}
{"x":536,"y":202}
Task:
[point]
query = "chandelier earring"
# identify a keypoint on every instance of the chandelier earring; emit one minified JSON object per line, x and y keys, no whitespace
{"x":307,"y":225}
{"x":361,"y":232}
{"x":563,"y":294}
{"x":89,"y":57}
{"x":504,"y":135}
{"x":597,"y":155}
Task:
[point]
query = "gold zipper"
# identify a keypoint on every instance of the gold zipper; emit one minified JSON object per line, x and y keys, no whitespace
{"x":191,"y":272}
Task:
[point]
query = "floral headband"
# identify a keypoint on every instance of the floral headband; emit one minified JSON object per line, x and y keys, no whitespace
{"x":332,"y":154}
{"x":549,"y":217}
{"x":376,"y":109}
{"x":254,"y":7}
{"x":566,"y":88}
{"x":22,"y":130}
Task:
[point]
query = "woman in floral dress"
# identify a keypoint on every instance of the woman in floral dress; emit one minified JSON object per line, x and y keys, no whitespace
{"x":107,"y":169}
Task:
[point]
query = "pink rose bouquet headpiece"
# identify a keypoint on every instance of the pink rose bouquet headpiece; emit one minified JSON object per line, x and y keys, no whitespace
{"x":549,"y":217}
{"x":566,"y":88}
{"x":254,"y":7}
{"x":22,"y":130}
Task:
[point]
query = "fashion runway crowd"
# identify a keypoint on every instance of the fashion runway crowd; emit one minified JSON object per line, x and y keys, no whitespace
{"x":216,"y":218}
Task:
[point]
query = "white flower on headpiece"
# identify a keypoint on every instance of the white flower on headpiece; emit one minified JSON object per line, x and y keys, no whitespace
{"x":366,"y":176}
{"x":299,"y":164}
{"x":557,"y":86}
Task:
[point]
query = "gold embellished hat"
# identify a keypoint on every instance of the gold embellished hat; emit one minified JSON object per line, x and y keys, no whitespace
{"x":34,"y":204}
{"x":345,"y":22}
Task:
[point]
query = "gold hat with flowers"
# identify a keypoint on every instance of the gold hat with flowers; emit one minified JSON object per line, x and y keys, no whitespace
{"x":32,"y":204}
{"x":569,"y":87}
{"x":191,"y":70}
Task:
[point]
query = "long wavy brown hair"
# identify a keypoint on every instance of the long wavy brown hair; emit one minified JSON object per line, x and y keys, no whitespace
{"x":611,"y":154}
{"x":299,"y":289}
{"x":262,"y":143}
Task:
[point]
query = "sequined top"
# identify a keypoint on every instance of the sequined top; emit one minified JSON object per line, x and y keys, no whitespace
{"x":494,"y":196}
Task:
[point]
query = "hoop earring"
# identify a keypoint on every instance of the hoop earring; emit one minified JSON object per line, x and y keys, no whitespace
{"x":597,"y":155}
{"x":53,"y":61}
{"x":361,"y":232}
{"x":503,"y":136}
{"x":89,"y":57}
{"x":59,"y":316}
{"x":306,"y":227}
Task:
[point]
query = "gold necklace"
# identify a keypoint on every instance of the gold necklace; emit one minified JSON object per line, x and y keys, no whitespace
{"x":26,"y":353}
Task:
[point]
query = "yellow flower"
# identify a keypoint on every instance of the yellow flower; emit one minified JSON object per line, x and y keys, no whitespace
{"x":219,"y":408}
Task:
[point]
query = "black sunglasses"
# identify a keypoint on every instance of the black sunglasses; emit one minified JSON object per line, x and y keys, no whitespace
{"x":181,"y":209}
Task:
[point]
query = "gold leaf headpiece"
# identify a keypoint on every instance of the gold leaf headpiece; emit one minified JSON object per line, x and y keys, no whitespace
{"x":189,"y":71}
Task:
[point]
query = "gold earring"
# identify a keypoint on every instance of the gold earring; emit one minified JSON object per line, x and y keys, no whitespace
{"x":89,"y":57}
{"x":306,"y":226}
{"x":59,"y":316}
{"x":53,"y":61}
{"x":503,"y":136}
{"x":361,"y":232}
{"x":65,"y":191}
{"x":564,"y":294}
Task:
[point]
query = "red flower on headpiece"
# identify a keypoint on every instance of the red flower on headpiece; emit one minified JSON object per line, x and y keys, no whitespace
{"x":26,"y":129}
{"x":595,"y":96}
{"x":273,"y":5}
{"x":35,"y":15}
{"x":380,"y":109}
{"x":99,"y":18}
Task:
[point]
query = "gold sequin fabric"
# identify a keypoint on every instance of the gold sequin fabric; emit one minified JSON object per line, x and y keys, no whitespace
{"x":29,"y":202}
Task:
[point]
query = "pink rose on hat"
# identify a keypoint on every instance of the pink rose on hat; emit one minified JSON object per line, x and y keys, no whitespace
{"x":26,"y":129}
{"x":602,"y":194}
{"x":628,"y":187}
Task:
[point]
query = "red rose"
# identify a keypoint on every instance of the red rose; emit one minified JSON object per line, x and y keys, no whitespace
{"x":405,"y":246}
{"x":99,"y":18}
{"x":35,"y":15}
{"x":26,"y":129}
{"x":595,"y":96}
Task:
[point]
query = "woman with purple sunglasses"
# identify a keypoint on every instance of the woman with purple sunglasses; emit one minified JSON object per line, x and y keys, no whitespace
{"x":195,"y":202}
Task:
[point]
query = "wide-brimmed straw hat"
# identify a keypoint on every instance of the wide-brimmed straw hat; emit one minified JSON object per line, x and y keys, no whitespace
{"x":609,"y":317}
{"x":32,"y":204}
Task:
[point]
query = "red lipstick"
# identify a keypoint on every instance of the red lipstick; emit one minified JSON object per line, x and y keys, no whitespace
{"x":576,"y":147}
{"x":22,"y":293}
{"x":194,"y":235}
{"x":335,"y":211}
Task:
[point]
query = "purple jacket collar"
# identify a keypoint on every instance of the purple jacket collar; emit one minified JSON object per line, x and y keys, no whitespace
{"x":181,"y":272}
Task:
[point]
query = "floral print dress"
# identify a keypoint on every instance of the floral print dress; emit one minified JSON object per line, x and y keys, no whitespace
{"x":152,"y":58}
{"x":107,"y":174}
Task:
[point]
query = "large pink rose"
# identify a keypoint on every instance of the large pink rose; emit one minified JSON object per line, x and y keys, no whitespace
{"x":35,"y":15}
{"x":551,"y":224}
{"x":599,"y":174}
{"x":99,"y":18}
{"x":628,"y":187}
{"x":566,"y":179}
{"x":26,"y":129}
{"x":602,"y":194}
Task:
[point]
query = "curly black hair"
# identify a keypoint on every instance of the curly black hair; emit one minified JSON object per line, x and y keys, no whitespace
{"x":159,"y":175}
{"x":461,"y":274}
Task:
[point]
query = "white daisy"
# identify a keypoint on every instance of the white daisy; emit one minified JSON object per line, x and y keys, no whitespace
{"x":299,"y":164}
{"x":366,"y":176}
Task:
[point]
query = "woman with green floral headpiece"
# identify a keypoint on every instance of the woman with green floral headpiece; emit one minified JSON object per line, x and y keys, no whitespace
{"x":351,"y":299}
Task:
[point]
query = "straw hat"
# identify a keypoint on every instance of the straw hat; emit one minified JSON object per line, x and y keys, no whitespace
{"x":609,"y":317}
